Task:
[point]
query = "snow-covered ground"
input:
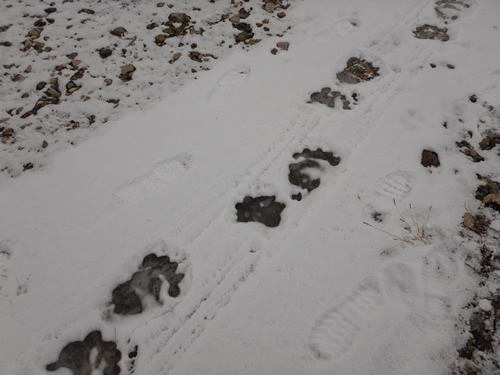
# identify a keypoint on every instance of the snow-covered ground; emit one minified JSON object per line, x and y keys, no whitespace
{"x":316,"y":290}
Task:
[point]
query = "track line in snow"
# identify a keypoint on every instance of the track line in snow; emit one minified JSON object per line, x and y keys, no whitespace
{"x":227,"y":84}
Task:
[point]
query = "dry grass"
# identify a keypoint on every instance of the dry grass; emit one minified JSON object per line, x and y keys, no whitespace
{"x":416,"y":230}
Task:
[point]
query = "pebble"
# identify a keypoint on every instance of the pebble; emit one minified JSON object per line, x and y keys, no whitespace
{"x":283,"y":45}
{"x":281,"y":15}
{"x":105,"y":52}
{"x":119,"y":31}
{"x":50,"y":10}
{"x":126,"y":72}
{"x":430,"y":159}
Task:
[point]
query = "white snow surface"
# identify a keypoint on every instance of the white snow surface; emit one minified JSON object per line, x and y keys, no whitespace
{"x":319,"y":294}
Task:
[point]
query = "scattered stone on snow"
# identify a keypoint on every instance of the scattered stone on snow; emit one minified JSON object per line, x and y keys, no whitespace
{"x":476,"y":223}
{"x":283,"y":45}
{"x":126,"y":72}
{"x":87,"y":11}
{"x":177,"y":25}
{"x":274,"y":51}
{"x":489,"y":142}
{"x":431,"y":32}
{"x":328,"y":97}
{"x":467,"y":149}
{"x":430,"y":159}
{"x":76,"y":356}
{"x":357,"y":70}
{"x":489,"y":194}
{"x":105,"y":52}
{"x":119,"y":31}
{"x":127,"y":297}
{"x":263,"y":210}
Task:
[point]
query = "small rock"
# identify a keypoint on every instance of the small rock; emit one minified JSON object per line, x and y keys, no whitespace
{"x":283,"y":45}
{"x":160,"y":39}
{"x":108,"y":81}
{"x":492,"y":198}
{"x":468,"y":221}
{"x":430,"y":159}
{"x":6,"y":44}
{"x":39,"y":46}
{"x":34,"y":33}
{"x":40,"y":23}
{"x":274,"y":51}
{"x":490,"y":141}
{"x":269,"y":7}
{"x":50,"y":10}
{"x":4,"y":28}
{"x":473,"y":98}
{"x":25,"y":95}
{"x":75,"y":63}
{"x":28,"y":69}
{"x":243,"y":36}
{"x":450,"y":66}
{"x":17,"y":78}
{"x":179,"y":18}
{"x":242,"y":26}
{"x":160,"y":5}
{"x":151,"y":26}
{"x":8,"y":132}
{"x":88,"y":11}
{"x":105,"y":53}
{"x":45,"y":144}
{"x":72,"y":56}
{"x":71,"y":87}
{"x":235,"y":19}
{"x":281,"y":15}
{"x":40,"y":85}
{"x":28,"y":166}
{"x":178,"y":55}
{"x":119,"y":31}
{"x":126,"y":72}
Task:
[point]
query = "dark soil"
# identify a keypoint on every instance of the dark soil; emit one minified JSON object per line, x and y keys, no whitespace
{"x":263,"y":210}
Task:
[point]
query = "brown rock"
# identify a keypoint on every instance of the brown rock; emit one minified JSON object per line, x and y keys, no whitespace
{"x":28,"y":69}
{"x":430,"y":159}
{"x":468,"y":221}
{"x":281,"y":15}
{"x":160,"y":39}
{"x":283,"y":45}
{"x":235,"y":19}
{"x":119,"y":31}
{"x":126,"y":72}
{"x":492,"y":198}
{"x":108,"y":81}
{"x":274,"y":51}
{"x":269,"y":7}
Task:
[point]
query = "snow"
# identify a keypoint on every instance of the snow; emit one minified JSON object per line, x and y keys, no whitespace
{"x":321,"y":293}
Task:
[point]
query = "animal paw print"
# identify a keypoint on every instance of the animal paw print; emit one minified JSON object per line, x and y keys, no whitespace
{"x":298,"y":174}
{"x":127,"y":297}
{"x":76,"y":356}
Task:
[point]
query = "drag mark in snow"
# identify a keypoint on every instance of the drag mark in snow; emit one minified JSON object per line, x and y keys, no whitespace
{"x":438,"y":273}
{"x":162,"y":174}
{"x":337,"y":329}
{"x":395,"y":185}
{"x":227,"y":84}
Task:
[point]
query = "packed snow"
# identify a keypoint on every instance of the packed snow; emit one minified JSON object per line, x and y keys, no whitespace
{"x":301,"y":187}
